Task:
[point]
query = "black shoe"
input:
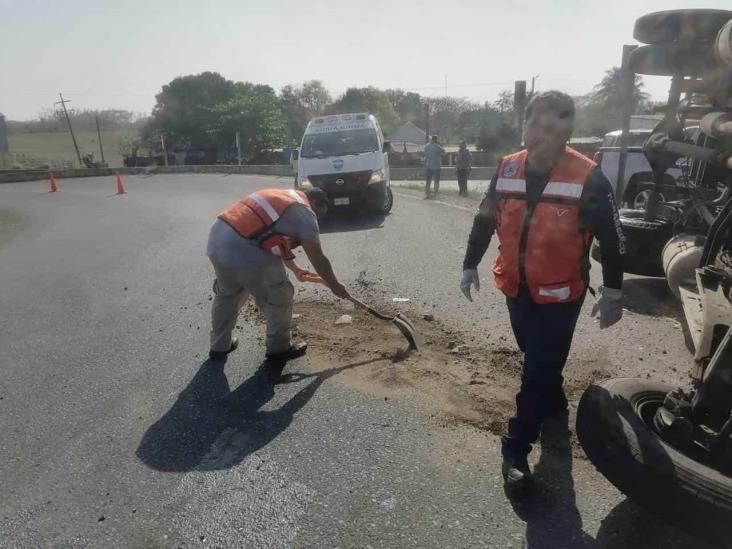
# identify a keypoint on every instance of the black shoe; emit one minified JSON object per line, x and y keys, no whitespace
{"x":295,"y":351}
{"x":218,"y":355}
{"x":516,"y":473}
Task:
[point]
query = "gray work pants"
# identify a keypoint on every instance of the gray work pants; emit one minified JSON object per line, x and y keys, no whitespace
{"x":272,"y":292}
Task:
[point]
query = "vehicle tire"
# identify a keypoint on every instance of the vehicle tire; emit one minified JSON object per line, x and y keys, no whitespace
{"x":644,"y":243}
{"x":387,"y":203}
{"x":673,"y":58}
{"x":615,"y":429}
{"x":641,"y":199}
{"x":680,"y":25}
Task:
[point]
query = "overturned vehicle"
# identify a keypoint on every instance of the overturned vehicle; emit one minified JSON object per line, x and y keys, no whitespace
{"x":670,"y":448}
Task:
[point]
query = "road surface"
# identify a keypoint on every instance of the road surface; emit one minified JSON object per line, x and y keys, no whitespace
{"x":116,"y":431}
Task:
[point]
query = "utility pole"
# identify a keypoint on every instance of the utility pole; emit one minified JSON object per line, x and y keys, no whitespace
{"x":99,"y":135}
{"x":445,"y":85}
{"x":533,"y":82}
{"x":238,"y":148}
{"x":165,"y":151}
{"x":71,"y":130}
{"x":519,"y":106}
{"x":427,"y":122}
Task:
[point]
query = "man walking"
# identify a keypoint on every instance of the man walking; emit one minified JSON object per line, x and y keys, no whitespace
{"x":249,"y":245}
{"x":546,"y":203}
{"x":433,"y":161}
{"x":463,"y":165}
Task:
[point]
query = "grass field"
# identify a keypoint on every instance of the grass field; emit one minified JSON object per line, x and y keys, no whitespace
{"x":56,"y":148}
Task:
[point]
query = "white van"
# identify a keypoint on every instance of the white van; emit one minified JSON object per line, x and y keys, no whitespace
{"x":347,"y":157}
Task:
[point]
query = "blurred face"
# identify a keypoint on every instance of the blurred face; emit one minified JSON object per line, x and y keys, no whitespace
{"x":546,"y":133}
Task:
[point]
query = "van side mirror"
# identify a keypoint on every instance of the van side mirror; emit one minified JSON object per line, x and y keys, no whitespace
{"x":295,"y":154}
{"x":387,"y":147}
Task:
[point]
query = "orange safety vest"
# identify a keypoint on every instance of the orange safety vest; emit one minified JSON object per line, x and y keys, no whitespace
{"x":544,"y":247}
{"x":255,"y":218}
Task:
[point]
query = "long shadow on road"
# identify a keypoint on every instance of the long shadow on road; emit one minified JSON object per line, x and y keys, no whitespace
{"x":211,"y":427}
{"x":553,"y":520}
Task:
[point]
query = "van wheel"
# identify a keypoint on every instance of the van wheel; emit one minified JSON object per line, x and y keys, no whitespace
{"x":387,"y":202}
{"x":615,"y":426}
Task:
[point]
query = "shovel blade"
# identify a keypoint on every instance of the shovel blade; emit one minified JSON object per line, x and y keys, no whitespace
{"x":407,"y":331}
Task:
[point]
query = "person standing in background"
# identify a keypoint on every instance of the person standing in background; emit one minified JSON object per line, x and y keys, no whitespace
{"x":463,"y":165}
{"x":433,"y":152}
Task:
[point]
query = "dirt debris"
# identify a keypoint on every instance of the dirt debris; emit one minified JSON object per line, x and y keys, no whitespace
{"x":458,"y":378}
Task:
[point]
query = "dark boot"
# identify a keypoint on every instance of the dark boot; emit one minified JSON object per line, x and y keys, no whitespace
{"x":516,"y":473}
{"x":295,"y":351}
{"x":219,"y":355}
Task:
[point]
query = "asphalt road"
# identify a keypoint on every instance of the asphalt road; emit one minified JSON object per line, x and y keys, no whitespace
{"x":116,"y":432}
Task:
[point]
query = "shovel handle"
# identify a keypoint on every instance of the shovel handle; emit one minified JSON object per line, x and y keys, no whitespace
{"x":368,"y":309}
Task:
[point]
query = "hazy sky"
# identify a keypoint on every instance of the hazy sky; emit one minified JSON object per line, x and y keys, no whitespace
{"x":118,"y":54}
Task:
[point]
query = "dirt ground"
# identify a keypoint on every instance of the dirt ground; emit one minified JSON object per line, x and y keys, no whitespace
{"x":455,"y":376}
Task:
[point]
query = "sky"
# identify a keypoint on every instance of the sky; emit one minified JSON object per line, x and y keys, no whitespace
{"x":118,"y":54}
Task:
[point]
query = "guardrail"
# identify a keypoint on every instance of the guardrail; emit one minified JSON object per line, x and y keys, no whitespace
{"x":417,"y":173}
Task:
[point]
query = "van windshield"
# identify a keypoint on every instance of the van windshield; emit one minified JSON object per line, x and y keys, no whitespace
{"x":339,"y":143}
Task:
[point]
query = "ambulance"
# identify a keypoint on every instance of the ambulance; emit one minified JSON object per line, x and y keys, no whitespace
{"x":346,"y":156}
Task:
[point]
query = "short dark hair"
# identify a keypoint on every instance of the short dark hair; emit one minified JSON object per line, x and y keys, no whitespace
{"x":553,"y":100}
{"x":434,"y":138}
{"x":316,"y":195}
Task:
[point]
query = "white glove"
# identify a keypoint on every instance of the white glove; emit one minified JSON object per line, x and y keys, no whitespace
{"x":609,"y":305}
{"x":470,"y":276}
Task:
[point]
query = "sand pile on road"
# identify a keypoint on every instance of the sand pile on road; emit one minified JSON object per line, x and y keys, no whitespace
{"x":461,"y":377}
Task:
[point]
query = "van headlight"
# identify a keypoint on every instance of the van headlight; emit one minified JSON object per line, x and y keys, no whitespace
{"x":303,"y":180}
{"x":377,"y":177}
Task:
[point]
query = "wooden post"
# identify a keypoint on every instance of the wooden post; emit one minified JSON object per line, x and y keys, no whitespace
{"x":165,"y":151}
{"x":238,"y":148}
{"x":99,"y":135}
{"x":71,"y":130}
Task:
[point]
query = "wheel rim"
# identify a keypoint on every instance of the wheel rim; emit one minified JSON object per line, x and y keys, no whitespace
{"x":646,"y":406}
{"x":641,"y":199}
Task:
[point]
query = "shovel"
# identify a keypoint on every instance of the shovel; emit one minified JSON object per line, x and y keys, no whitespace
{"x":400,"y":321}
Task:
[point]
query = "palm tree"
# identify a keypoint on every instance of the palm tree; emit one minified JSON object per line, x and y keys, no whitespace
{"x":610,"y":91}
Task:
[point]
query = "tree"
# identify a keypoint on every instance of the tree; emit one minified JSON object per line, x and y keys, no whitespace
{"x":409,"y":106}
{"x":184,"y":109}
{"x":255,"y":113}
{"x":504,"y":103}
{"x":301,"y":103}
{"x":601,"y":110}
{"x":371,"y":100}
{"x":610,"y":90}
{"x":446,"y":114}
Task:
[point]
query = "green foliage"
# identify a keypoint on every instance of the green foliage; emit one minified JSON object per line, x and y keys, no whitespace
{"x":255,"y":114}
{"x":446,"y":117}
{"x":301,"y":103}
{"x":409,"y":106}
{"x":184,"y":109}
{"x":602,"y":110}
{"x":371,"y":100}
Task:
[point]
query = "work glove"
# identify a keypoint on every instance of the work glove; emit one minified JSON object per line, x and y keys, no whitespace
{"x":609,"y":305}
{"x":470,"y":276}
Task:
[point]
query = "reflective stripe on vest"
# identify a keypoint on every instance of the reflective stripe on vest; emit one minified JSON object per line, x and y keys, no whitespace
{"x":255,"y":218}
{"x":262,"y":202}
{"x":544,"y":246}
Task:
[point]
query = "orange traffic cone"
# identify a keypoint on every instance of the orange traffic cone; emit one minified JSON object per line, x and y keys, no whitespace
{"x":120,"y":186}
{"x":52,"y":182}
